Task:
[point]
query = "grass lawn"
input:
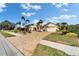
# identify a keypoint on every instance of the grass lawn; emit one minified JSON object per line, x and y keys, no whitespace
{"x":15,"y":31}
{"x":72,"y":41}
{"x":6,"y":34}
{"x":42,"y":50}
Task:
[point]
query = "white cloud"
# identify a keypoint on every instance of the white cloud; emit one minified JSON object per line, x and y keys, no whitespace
{"x":36,"y":7}
{"x":59,"y":5}
{"x":64,"y":10}
{"x":35,"y":21}
{"x":53,"y":19}
{"x":2,"y":7}
{"x":28,"y":14}
{"x":66,"y":17}
{"x":29,"y":6}
{"x":56,"y":19}
{"x":24,"y":6}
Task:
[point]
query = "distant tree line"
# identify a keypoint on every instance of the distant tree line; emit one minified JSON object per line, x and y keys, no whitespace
{"x":7,"y":25}
{"x":74,"y":28}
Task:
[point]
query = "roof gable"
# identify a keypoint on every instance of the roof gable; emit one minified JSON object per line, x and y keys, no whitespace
{"x":50,"y":24}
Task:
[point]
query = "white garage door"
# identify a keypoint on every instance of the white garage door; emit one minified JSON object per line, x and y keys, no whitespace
{"x":51,"y":29}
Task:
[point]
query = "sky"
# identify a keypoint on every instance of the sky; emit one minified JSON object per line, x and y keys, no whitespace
{"x":48,"y":12}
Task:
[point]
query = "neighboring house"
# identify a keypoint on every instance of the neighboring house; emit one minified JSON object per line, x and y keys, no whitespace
{"x":50,"y":27}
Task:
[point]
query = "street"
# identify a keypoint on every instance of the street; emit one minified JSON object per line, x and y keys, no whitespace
{"x":7,"y":49}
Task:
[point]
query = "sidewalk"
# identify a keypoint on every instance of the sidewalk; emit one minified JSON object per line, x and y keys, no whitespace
{"x":66,"y":48}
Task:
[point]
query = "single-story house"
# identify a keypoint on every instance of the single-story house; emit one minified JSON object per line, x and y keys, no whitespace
{"x":50,"y":27}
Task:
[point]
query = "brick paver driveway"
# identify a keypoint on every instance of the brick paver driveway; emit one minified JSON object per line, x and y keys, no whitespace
{"x":27,"y":43}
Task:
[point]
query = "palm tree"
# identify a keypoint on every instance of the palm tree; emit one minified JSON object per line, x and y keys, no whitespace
{"x":39,"y":25}
{"x":23,"y":18}
{"x":19,"y":23}
{"x":25,"y":24}
{"x":25,"y":21}
{"x":28,"y":28}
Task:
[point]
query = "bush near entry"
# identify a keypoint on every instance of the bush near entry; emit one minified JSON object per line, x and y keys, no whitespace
{"x":72,"y":34}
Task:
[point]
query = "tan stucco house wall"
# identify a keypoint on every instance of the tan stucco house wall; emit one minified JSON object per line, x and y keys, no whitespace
{"x":50,"y":27}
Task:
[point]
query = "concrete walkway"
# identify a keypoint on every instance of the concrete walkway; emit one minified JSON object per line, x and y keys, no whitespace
{"x":7,"y":49}
{"x":68,"y":49}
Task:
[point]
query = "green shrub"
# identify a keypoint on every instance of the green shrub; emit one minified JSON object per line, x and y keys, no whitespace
{"x":15,"y":30}
{"x":72,"y":34}
{"x":64,"y":32}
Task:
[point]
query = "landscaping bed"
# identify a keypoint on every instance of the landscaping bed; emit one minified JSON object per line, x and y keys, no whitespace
{"x":42,"y":50}
{"x":72,"y":41}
